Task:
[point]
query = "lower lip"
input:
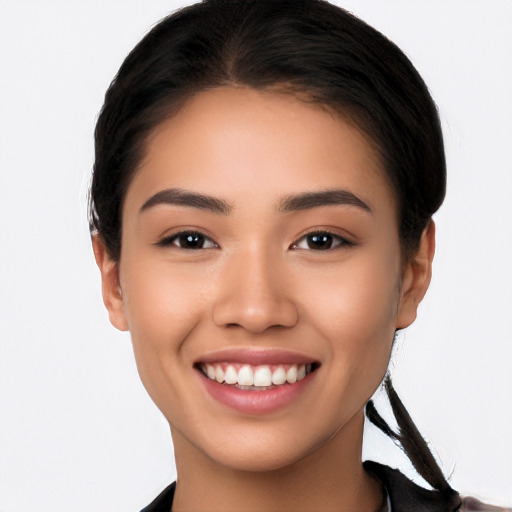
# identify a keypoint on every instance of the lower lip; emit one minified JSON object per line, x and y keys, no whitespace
{"x":256,"y":401}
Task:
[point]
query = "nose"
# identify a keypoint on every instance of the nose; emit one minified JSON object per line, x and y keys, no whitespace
{"x":253,"y":293}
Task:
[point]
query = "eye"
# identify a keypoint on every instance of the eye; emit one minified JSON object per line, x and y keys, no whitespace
{"x":321,"y":241}
{"x":189,"y":240}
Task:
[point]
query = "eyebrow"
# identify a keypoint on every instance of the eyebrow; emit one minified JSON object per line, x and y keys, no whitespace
{"x":310,"y":200}
{"x":180,"y":197}
{"x":292,"y":203}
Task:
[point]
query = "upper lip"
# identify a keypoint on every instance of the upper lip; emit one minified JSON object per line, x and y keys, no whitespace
{"x":256,"y":357}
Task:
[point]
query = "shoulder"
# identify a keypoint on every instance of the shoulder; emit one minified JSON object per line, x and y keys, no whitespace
{"x":405,"y":495}
{"x":470,"y":504}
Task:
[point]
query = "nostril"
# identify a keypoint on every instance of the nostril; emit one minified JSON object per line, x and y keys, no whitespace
{"x":254,"y":313}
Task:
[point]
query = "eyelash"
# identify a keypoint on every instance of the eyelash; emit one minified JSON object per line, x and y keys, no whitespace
{"x":341,"y":241}
{"x":170,"y":240}
{"x":334,"y":238}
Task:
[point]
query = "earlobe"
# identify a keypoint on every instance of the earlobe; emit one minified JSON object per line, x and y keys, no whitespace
{"x":416,"y":278}
{"x":110,"y":287}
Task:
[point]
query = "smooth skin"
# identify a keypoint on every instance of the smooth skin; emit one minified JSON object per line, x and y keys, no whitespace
{"x":258,"y":279}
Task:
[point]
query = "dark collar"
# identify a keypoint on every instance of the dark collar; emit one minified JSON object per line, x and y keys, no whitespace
{"x":163,"y":502}
{"x":405,"y":495}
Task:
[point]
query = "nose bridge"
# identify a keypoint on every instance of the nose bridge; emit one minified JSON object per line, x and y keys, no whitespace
{"x":252,"y":291}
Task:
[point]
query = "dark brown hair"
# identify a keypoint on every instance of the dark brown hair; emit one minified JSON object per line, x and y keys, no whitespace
{"x":305,"y":47}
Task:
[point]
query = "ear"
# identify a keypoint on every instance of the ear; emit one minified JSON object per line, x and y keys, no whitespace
{"x":110,"y":287}
{"x":416,"y":278}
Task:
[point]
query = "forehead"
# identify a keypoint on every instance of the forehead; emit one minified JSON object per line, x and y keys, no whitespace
{"x":242,"y":143}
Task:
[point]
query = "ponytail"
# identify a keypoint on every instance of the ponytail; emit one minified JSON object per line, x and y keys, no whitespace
{"x":411,"y":442}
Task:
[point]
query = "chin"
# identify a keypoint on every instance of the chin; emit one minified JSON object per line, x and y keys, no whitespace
{"x":257,"y":448}
{"x":257,"y":460}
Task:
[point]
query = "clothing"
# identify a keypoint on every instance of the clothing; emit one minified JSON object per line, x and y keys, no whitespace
{"x":404,"y":495}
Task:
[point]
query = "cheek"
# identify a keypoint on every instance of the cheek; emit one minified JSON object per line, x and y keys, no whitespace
{"x":354,"y":306}
{"x":162,"y":306}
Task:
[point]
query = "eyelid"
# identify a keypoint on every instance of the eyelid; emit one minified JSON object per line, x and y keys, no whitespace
{"x":169,"y":239}
{"x":344,"y":241}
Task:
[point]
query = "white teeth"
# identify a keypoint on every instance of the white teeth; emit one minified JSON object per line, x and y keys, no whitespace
{"x":279,"y":376}
{"x":245,"y":377}
{"x":210,"y":371}
{"x":291,"y":375}
{"x":231,"y":377}
{"x":262,"y":376}
{"x":219,"y":374}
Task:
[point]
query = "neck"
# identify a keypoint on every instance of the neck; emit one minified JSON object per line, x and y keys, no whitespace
{"x":331,"y":478}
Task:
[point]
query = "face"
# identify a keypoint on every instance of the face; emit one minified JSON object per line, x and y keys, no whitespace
{"x":260,"y":276}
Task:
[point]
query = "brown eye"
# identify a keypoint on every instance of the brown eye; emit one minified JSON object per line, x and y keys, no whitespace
{"x":189,"y":240}
{"x":320,"y":241}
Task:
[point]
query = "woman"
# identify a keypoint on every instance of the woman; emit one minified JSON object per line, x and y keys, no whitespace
{"x":265,"y":178}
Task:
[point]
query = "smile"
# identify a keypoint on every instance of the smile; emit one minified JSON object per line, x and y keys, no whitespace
{"x":256,"y":382}
{"x":255,"y":377}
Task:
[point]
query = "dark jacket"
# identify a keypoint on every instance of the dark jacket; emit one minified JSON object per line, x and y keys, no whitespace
{"x":405,"y":495}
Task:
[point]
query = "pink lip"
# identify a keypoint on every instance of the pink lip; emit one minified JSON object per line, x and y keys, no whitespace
{"x":255,"y":402}
{"x":256,"y":357}
{"x":258,"y":401}
{"x":262,"y":401}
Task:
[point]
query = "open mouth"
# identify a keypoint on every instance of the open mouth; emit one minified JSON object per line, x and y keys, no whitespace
{"x":256,"y":377}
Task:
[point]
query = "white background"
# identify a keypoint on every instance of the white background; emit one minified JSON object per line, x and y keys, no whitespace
{"x":77,"y":430}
